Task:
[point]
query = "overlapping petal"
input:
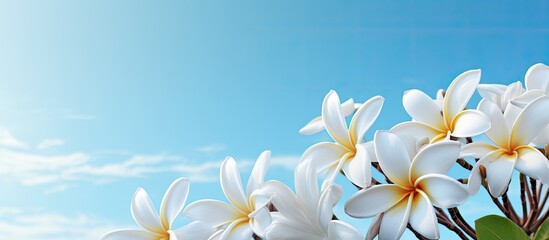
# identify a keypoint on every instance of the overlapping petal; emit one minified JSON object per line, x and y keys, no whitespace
{"x":443,"y":191}
{"x":257,"y":175}
{"x":537,"y":77}
{"x":374,"y":200}
{"x":212,"y":212}
{"x":423,"y":218}
{"x":533,"y":163}
{"x":459,"y":92}
{"x":435,"y":158}
{"x":530,"y":121}
{"x":393,"y":157}
{"x":499,"y":130}
{"x":130,"y":234}
{"x":470,"y":123}
{"x":499,"y":172}
{"x":231,"y":184}
{"x":423,"y":109}
{"x":192,"y":231}
{"x":334,"y":120}
{"x":364,"y":117}
{"x":475,"y":179}
{"x":174,"y":201}
{"x":338,"y":230}
{"x":316,"y":125}
{"x":358,"y":170}
{"x":144,"y":213}
{"x":324,"y":154}
{"x":394,"y":221}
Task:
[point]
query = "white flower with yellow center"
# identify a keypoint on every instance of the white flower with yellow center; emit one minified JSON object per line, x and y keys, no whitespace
{"x":349,"y":150}
{"x":419,"y":184}
{"x":248,"y":213}
{"x":436,"y":123}
{"x":512,"y":137}
{"x":500,"y":94}
{"x":308,"y":213}
{"x":159,"y":227}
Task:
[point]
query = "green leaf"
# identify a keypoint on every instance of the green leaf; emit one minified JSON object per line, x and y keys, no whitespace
{"x":543,"y":231}
{"x":494,"y":227}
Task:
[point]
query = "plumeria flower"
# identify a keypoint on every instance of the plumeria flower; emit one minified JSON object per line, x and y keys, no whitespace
{"x":307,"y":214}
{"x":511,"y":149}
{"x":436,"y":123}
{"x":349,"y":151}
{"x":537,"y":84}
{"x":316,"y":125}
{"x":159,"y":227}
{"x":248,"y":213}
{"x":419,"y":185}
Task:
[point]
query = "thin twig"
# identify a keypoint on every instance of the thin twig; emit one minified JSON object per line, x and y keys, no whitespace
{"x":445,"y":221}
{"x":458,"y":219}
{"x":509,"y":206}
{"x":464,"y":164}
{"x":523,"y":197}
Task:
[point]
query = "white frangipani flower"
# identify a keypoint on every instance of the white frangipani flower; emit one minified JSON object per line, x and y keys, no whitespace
{"x":248,"y":213}
{"x":159,"y":227}
{"x":348,"y":152}
{"x":418,"y":185}
{"x":511,"y":150}
{"x":308,"y":213}
{"x":436,"y":123}
{"x":316,"y":125}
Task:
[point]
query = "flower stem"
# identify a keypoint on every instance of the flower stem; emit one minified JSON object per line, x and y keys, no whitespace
{"x":460,"y":221}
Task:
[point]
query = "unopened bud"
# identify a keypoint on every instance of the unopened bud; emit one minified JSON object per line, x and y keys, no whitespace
{"x":482,"y":170}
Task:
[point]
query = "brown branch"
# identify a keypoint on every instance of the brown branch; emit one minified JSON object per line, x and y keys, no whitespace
{"x":458,"y":219}
{"x":523,"y":197}
{"x":464,"y":164}
{"x":445,"y":221}
{"x":509,"y":206}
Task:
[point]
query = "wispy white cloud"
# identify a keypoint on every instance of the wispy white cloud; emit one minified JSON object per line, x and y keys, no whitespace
{"x":58,"y":170}
{"x":22,"y":224}
{"x":49,"y":143}
{"x":8,"y":140}
{"x":288,"y":162}
{"x":213,"y":148}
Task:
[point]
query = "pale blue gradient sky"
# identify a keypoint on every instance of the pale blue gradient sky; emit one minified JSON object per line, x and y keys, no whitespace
{"x":185,"y":83}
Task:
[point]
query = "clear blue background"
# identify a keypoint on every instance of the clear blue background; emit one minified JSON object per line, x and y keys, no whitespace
{"x":186,"y":83}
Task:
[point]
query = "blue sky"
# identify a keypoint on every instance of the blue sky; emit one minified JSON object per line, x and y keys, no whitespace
{"x":98,"y":98}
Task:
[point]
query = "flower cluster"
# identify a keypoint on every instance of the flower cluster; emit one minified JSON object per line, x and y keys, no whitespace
{"x":413,"y":158}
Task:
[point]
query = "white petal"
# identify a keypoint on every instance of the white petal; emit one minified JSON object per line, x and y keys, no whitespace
{"x":499,"y":172}
{"x":364,"y":117}
{"x":358,"y":169}
{"x":393,"y":157}
{"x":513,"y":90}
{"x":306,"y":186}
{"x":287,"y":229}
{"x":193,"y":231}
{"x":530,"y":121}
{"x":510,"y":114}
{"x":499,"y":130}
{"x":459,"y":92}
{"x":260,"y":220}
{"x":232,"y":185}
{"x":537,"y":77}
{"x":373,"y":230}
{"x":435,"y":158}
{"x":174,"y":201}
{"x":285,"y":201}
{"x":527,"y":97}
{"x":130,"y":234}
{"x":533,"y":163}
{"x":257,"y":176}
{"x":475,"y":179}
{"x":394,"y":221}
{"x":542,"y":138}
{"x":144,"y":213}
{"x":470,"y":123}
{"x":338,"y":230}
{"x":476,"y":150}
{"x":334,"y":120}
{"x":493,"y":92}
{"x":330,"y":196}
{"x":348,"y":107}
{"x":374,"y":200}
{"x":423,"y":218}
{"x":325,"y":155}
{"x":314,"y":126}
{"x":212,"y":212}
{"x":423,"y":109}
{"x":416,"y":130}
{"x":443,"y":191}
{"x":237,"y":230}
{"x":370,"y":150}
